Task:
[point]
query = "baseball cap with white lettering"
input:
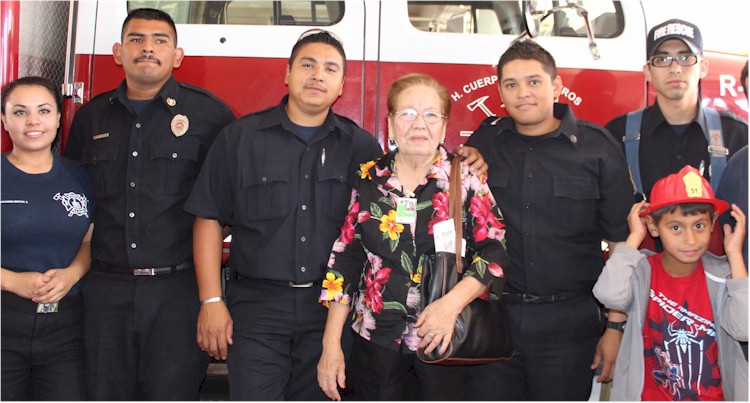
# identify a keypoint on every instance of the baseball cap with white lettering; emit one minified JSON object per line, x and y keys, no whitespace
{"x":674,"y":29}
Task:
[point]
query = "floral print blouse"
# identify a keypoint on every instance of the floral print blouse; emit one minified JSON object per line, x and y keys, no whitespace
{"x":376,"y":263}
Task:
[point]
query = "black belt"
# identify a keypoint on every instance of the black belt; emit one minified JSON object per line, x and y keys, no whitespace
{"x":145,"y":271}
{"x":543,"y":299}
{"x":12,"y":300}
{"x":278,"y":282}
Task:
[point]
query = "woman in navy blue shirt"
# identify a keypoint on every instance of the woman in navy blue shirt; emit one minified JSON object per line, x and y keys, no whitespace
{"x":46,"y":228}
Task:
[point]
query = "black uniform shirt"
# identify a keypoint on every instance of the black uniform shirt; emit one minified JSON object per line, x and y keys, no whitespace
{"x":663,"y":152}
{"x":143,"y":168}
{"x":561,"y":194}
{"x":284,"y":198}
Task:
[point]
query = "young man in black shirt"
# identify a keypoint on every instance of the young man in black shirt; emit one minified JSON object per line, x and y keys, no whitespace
{"x":677,"y":130}
{"x":563,"y":187}
{"x":143,"y":144}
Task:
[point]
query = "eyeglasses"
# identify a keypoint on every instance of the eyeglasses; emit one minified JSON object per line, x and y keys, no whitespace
{"x":666,"y":61}
{"x":320,"y":31}
{"x":410,"y":115}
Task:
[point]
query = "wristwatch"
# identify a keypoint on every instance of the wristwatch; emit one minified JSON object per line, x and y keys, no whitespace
{"x":619,"y":326}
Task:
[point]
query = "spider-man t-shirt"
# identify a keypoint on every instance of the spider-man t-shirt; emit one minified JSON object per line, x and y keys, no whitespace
{"x":679,"y":338}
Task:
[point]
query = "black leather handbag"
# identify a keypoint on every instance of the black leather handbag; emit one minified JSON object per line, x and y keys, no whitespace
{"x":482,"y":331}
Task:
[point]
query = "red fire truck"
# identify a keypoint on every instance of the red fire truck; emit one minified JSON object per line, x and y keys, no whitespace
{"x":239,"y":50}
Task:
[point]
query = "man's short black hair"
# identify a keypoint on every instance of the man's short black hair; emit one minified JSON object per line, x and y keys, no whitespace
{"x":527,"y":50}
{"x":318,"y":37}
{"x":743,"y":79}
{"x":150,"y":14}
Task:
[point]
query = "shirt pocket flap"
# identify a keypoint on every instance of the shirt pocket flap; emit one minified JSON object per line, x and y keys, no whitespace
{"x":576,"y":188}
{"x":266,"y":189}
{"x":98,"y":151}
{"x":176,"y":151}
{"x":254,"y":174}
{"x":337,"y":172}
{"x":498,"y":179}
{"x":334,"y":189}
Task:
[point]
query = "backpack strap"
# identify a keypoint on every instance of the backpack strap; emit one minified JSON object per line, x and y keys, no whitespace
{"x":716,"y":149}
{"x":632,"y":140}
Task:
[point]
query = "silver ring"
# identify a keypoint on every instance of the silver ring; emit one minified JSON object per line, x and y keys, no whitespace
{"x":430,"y":335}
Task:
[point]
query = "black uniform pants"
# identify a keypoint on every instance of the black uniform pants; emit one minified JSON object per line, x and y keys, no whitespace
{"x":554,"y":347}
{"x":277,"y":341}
{"x":42,"y":354}
{"x":380,"y":374}
{"x":140,"y":336}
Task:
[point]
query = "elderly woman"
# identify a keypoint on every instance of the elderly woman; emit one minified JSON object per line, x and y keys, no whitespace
{"x":376,"y":263}
{"x":46,"y":229}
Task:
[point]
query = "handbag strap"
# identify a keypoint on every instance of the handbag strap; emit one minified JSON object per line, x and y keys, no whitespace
{"x":455,"y":207}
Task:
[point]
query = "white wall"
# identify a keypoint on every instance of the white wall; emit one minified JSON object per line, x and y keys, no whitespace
{"x":723,"y":23}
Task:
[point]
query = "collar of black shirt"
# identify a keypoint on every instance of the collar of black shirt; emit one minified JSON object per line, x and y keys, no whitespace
{"x":170,"y":90}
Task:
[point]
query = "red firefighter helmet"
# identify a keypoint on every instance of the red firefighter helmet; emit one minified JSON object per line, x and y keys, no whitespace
{"x":686,"y":186}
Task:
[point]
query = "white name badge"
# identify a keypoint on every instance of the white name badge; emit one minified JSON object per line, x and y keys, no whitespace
{"x":445,"y":236}
{"x":406,"y":210}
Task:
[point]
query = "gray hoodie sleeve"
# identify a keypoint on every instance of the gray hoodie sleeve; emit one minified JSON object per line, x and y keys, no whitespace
{"x":614,"y":286}
{"x":735,"y":316}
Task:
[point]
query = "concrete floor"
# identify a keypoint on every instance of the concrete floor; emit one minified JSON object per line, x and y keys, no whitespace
{"x":216,"y":386}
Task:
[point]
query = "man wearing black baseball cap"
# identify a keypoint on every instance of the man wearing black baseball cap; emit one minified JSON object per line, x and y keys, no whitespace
{"x":676,"y":130}
{"x":688,"y":33}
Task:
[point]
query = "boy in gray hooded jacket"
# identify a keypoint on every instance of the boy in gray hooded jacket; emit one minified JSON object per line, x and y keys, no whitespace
{"x":687,"y":308}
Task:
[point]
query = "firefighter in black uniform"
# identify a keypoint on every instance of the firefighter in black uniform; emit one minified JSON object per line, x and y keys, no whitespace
{"x":282,"y":179}
{"x":144,"y":144}
{"x":673,"y":130}
{"x":564,"y":188}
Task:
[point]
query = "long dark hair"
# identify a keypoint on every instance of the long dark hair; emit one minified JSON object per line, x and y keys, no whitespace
{"x":47,"y":84}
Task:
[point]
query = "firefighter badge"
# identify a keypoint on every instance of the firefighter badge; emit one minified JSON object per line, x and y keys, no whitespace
{"x":74,"y":203}
{"x":179,"y":125}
